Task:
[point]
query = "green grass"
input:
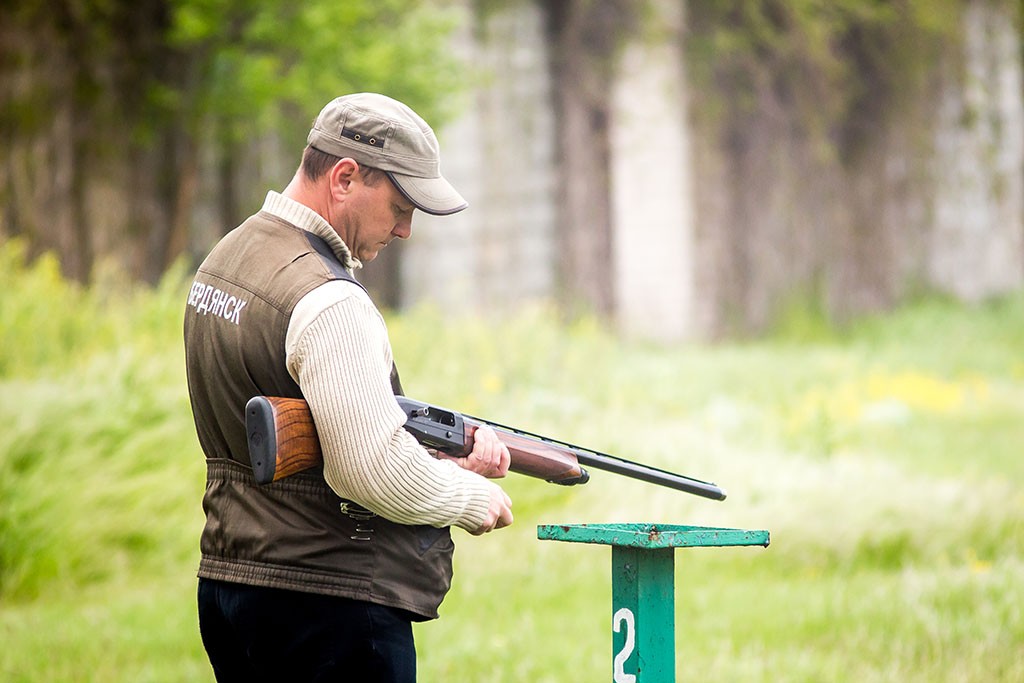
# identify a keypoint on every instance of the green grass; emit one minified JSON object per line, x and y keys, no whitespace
{"x":885,"y":459}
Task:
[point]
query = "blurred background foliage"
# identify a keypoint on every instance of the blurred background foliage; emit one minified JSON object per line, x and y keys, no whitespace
{"x":113,"y":115}
{"x":263,"y":66}
{"x":839,"y":65}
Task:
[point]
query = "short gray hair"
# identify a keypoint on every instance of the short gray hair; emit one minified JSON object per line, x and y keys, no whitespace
{"x":315,"y":163}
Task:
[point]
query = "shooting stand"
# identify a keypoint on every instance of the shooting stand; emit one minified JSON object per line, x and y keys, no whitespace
{"x":643,"y":588}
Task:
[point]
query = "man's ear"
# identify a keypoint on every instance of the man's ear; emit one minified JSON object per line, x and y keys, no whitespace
{"x":341,"y":177}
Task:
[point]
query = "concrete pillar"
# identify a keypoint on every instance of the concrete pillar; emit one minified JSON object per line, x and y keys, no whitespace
{"x":977,"y":241}
{"x":653,"y":212}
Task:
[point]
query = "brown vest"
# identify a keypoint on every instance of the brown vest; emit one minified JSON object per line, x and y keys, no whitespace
{"x":295,"y":533}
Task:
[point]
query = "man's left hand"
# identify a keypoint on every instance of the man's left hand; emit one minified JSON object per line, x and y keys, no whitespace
{"x":489,"y":458}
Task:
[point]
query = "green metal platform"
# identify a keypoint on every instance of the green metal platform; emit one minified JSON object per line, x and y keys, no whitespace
{"x":643,"y":587}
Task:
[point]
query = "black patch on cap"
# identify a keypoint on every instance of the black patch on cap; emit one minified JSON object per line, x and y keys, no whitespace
{"x":372,"y":140}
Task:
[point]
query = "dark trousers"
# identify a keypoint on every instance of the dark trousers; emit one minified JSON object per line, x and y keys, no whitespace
{"x":265,"y":634}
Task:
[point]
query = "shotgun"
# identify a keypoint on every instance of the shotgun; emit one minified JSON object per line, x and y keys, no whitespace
{"x":283,"y":441}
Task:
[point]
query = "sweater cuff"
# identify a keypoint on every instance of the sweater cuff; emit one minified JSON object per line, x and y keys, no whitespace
{"x":477,"y":491}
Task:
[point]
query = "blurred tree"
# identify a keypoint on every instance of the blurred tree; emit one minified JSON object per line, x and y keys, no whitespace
{"x":111,"y":110}
{"x":586,"y":37}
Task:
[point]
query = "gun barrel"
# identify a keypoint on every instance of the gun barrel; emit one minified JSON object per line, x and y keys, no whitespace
{"x":650,"y":474}
{"x":626,"y":468}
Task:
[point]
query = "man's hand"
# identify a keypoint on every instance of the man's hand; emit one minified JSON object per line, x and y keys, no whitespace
{"x":500,"y":513}
{"x":489,"y":458}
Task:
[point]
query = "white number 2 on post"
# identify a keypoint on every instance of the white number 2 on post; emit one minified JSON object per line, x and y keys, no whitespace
{"x":624,"y":618}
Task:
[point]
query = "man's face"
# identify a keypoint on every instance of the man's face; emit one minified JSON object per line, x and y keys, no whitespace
{"x":373,"y":216}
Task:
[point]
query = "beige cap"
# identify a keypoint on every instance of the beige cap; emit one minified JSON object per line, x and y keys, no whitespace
{"x":381,"y":132}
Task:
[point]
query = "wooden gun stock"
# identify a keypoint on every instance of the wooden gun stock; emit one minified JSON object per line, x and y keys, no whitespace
{"x":282,"y":437}
{"x":283,"y":441}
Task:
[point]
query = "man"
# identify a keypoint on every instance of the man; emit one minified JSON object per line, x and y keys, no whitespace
{"x":319,"y":576}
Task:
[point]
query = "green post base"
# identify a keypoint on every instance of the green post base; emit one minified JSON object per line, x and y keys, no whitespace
{"x":643,"y":587}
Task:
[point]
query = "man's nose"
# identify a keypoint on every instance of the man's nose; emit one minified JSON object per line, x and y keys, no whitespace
{"x":403,"y":228}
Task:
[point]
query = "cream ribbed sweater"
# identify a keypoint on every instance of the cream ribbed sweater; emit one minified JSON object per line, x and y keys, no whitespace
{"x":339,"y":354}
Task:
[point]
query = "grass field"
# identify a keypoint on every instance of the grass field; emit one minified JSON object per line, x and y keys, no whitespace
{"x":885,"y":459}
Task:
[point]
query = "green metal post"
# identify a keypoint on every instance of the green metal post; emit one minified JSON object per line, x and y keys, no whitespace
{"x":643,"y":615}
{"x":643,"y":587}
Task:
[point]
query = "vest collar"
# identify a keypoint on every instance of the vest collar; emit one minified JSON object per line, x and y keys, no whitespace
{"x":304,"y":217}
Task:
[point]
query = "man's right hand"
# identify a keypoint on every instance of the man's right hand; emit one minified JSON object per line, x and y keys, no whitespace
{"x":500,"y":512}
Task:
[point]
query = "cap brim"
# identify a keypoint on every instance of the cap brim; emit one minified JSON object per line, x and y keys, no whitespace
{"x":431,"y":195}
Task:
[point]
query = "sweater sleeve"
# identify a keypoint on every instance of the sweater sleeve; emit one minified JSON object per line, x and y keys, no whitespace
{"x":339,"y":354}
